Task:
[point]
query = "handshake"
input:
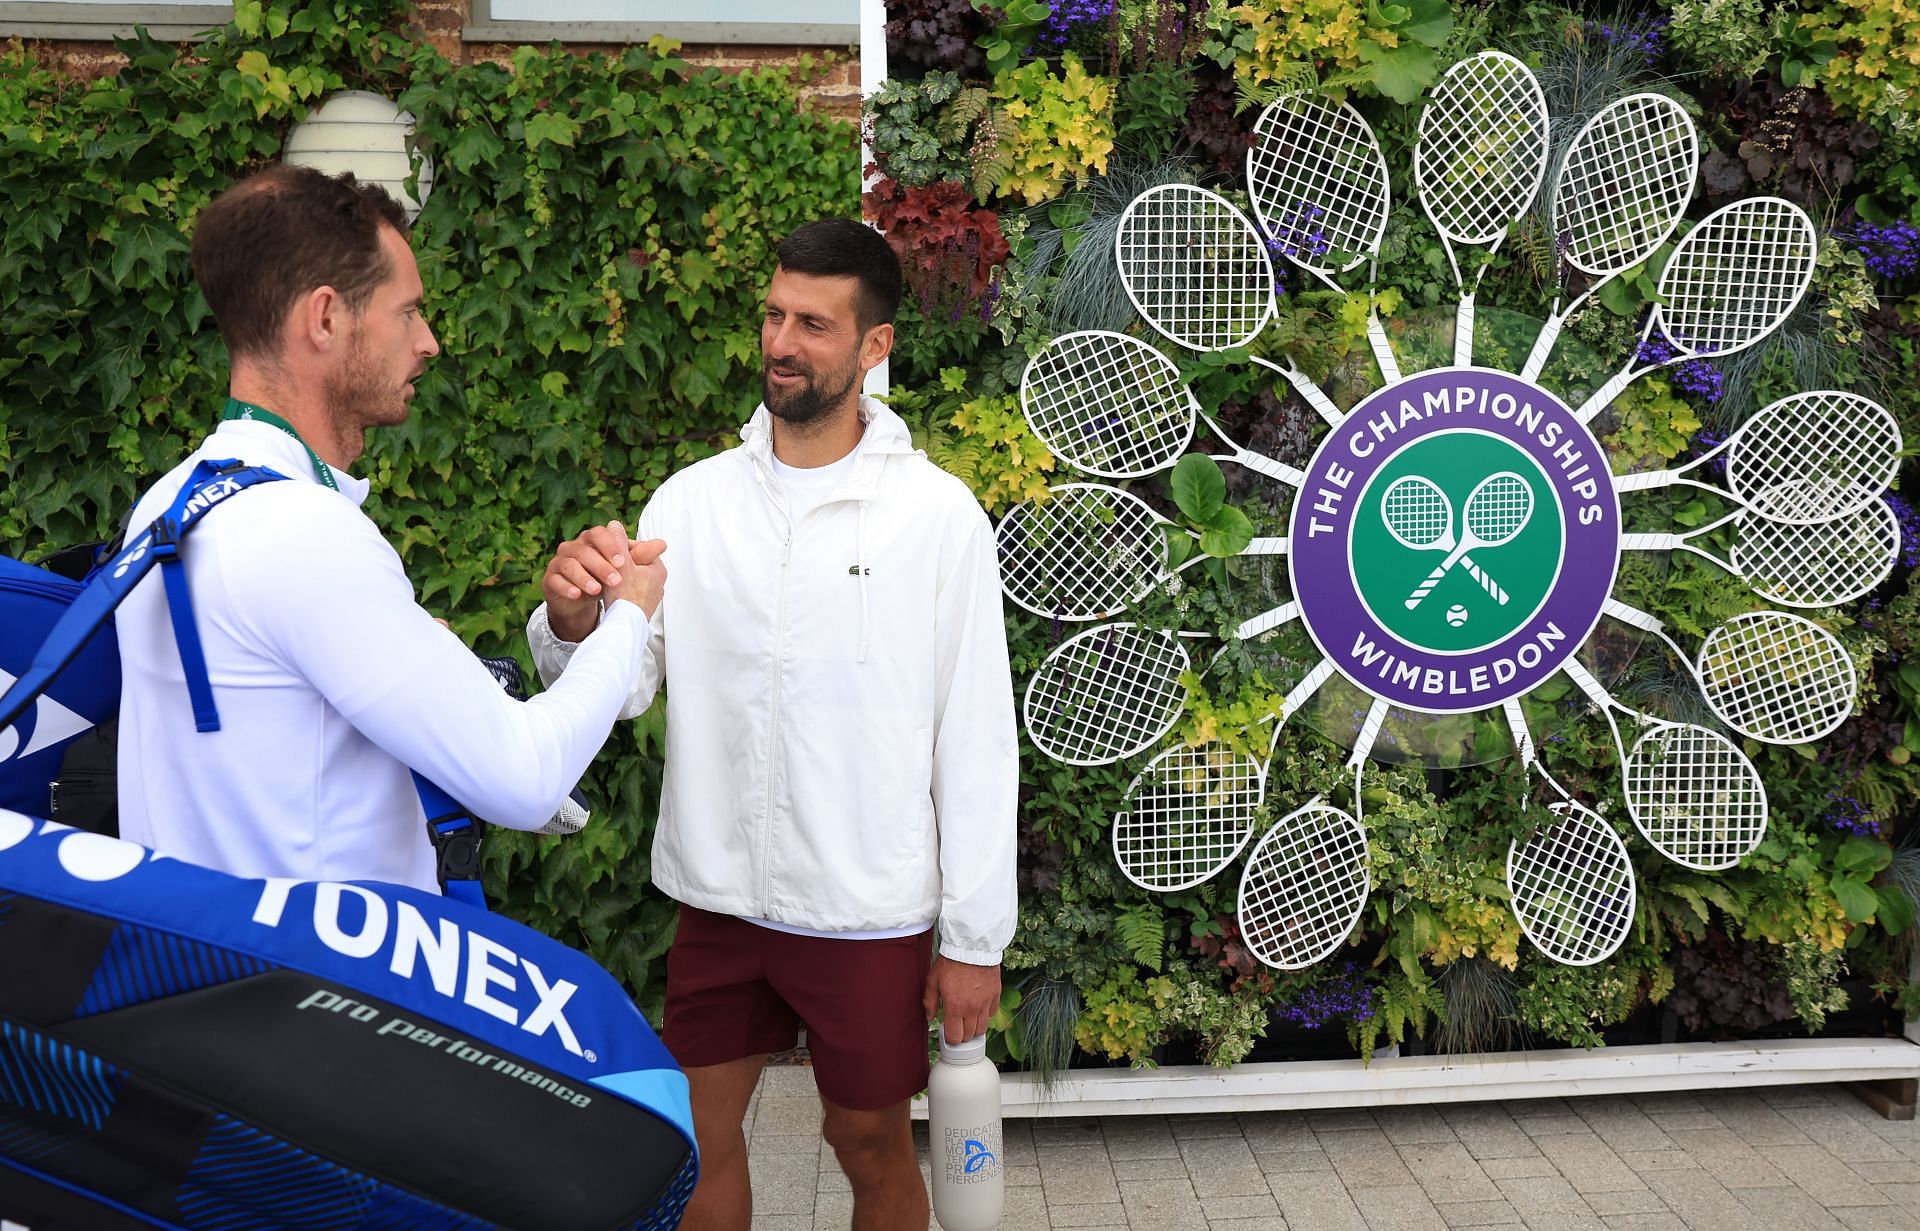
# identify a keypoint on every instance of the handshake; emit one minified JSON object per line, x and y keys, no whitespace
{"x":601,"y":565}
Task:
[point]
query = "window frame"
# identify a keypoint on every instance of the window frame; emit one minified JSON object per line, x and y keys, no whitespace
{"x":69,"y":19}
{"x":483,"y":27}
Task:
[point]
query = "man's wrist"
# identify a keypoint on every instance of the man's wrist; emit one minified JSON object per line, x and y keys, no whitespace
{"x":575,"y":628}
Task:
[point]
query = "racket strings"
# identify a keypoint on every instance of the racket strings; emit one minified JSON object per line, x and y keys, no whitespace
{"x":1572,"y":887}
{"x":1818,"y":565}
{"x":1417,"y":512}
{"x":1194,"y":268}
{"x":1106,"y":694}
{"x":1499,"y":509}
{"x":1735,"y":277}
{"x":1483,"y":136}
{"x":1304,"y":887}
{"x":1188,"y":814}
{"x":1624,"y":183}
{"x":1316,"y":160}
{"x":1107,"y":404}
{"x":1777,"y":677}
{"x":1083,"y":554}
{"x":1695,"y":796}
{"x":1809,"y":456}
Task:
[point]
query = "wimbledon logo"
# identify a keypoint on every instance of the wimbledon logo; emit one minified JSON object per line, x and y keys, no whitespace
{"x":1454,"y":540}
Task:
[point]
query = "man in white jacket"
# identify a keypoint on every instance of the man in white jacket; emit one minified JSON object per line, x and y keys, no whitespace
{"x":841,"y":767}
{"x":331,"y":682}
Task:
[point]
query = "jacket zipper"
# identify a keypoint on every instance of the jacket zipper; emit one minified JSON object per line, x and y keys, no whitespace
{"x":773,"y":712}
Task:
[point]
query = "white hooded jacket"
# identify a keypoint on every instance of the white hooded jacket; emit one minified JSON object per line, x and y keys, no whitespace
{"x":840,"y":742}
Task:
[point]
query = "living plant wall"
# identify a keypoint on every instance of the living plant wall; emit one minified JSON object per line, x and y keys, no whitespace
{"x":595,"y":247}
{"x":1007,"y":145}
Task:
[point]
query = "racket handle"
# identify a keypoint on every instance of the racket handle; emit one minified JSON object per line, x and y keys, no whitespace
{"x":1382,"y":350}
{"x":1649,"y":542}
{"x":1640,"y":480}
{"x":1425,"y":588}
{"x":1273,"y":468}
{"x":1487,"y":583}
{"x":1304,"y":386}
{"x":1267,"y":622}
{"x":1542,"y":347}
{"x":1463,"y":332}
{"x":1604,"y":395}
{"x":1266,"y":545}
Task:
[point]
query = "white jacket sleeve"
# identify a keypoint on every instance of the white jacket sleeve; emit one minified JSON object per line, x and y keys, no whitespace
{"x":342,"y":613}
{"x":552,"y":653}
{"x":976,"y":766}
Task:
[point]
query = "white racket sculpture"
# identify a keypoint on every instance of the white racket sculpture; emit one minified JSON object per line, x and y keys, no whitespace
{"x":1307,"y":879}
{"x":1319,"y":184}
{"x":1477,"y":165}
{"x":1730,"y":282}
{"x":1089,"y":550}
{"x":1113,"y":406}
{"x":1692,"y":794}
{"x":1819,"y":565}
{"x":1188,"y":814}
{"x":1809,"y":457}
{"x":1770,"y":675}
{"x":1617,"y":195}
{"x":1573,"y":887}
{"x":1420,"y":516}
{"x":1106,"y":693}
{"x":1196,"y":271}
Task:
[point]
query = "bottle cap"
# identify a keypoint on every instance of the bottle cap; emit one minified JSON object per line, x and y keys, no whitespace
{"x":962,"y":1053}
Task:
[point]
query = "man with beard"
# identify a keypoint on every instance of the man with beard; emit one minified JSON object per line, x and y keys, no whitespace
{"x":841,"y":765}
{"x":331,"y":682}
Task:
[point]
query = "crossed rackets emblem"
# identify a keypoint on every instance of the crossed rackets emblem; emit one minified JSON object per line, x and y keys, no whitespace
{"x":1420,"y":517}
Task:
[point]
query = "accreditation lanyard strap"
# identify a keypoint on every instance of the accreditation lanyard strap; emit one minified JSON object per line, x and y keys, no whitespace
{"x":237,"y":409}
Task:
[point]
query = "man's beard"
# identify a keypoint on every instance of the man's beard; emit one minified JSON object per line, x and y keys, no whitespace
{"x":807,"y":404}
{"x":357,"y":396}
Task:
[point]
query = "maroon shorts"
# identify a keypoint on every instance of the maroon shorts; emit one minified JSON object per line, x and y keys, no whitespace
{"x":736,"y":989}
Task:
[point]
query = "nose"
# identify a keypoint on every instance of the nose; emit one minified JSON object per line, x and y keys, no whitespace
{"x":429,"y":345}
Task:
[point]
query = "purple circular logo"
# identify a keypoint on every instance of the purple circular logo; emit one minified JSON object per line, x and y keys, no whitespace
{"x":1454,"y":540}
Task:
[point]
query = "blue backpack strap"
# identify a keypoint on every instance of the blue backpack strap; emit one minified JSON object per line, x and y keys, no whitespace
{"x":206,"y":488}
{"x":456,"y":835}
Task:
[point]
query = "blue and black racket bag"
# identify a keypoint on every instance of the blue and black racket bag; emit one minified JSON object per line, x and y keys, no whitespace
{"x":181,"y":1048}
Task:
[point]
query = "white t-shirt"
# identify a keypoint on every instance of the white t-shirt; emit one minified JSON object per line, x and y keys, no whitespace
{"x":331,"y":682}
{"x":807,"y":488}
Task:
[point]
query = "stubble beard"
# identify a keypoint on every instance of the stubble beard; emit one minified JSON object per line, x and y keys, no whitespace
{"x":358,"y":398}
{"x":808,"y":404}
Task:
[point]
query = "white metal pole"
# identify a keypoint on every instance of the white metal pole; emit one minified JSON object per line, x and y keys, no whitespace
{"x":873,"y":71}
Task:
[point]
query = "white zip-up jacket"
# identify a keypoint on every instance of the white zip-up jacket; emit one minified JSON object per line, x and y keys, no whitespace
{"x":840,"y":742}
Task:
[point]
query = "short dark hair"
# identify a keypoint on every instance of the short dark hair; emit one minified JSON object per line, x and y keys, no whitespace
{"x":843,"y":248}
{"x":281,"y":233}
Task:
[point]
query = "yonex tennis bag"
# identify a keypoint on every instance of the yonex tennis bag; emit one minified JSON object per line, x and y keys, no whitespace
{"x":180,"y":1048}
{"x":85,"y":694}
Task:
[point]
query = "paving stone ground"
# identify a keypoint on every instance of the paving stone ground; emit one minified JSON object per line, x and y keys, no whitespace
{"x":1796,"y":1158}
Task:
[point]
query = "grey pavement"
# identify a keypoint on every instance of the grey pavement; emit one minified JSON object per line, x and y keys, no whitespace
{"x":1796,"y":1158}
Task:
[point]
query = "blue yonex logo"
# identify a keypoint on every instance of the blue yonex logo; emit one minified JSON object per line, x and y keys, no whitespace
{"x":978,"y":1156}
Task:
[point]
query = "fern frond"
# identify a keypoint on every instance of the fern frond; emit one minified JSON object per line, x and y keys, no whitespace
{"x":1143,"y":932}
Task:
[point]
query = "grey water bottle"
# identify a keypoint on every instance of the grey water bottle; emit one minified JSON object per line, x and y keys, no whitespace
{"x":963,"y":1133}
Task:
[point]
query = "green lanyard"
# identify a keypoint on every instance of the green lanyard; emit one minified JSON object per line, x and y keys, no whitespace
{"x":237,"y":409}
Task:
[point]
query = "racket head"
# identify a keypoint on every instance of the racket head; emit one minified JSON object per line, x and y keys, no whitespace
{"x":1105,"y":694}
{"x":1624,"y":183}
{"x":1819,"y":565}
{"x":1316,"y":167}
{"x":1499,"y":507}
{"x":1108,"y":404}
{"x":1194,"y":267}
{"x":1694,"y":796}
{"x":1304,"y":886}
{"x":1776,"y":677}
{"x":1735,"y":277}
{"x":1188,"y":814}
{"x":1481,"y":149}
{"x":1573,"y":887}
{"x":1811,"y":457}
{"x":1084,"y":553}
{"x":1417,"y":513}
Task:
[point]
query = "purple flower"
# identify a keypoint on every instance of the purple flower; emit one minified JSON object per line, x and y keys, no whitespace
{"x":1849,"y":815}
{"x":1068,"y":16}
{"x":1346,"y":994}
{"x":1700,"y":380}
{"x":1892,"y":251}
{"x":1909,"y":520}
{"x":1632,"y":40}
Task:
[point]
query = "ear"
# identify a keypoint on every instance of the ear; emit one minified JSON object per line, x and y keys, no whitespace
{"x":875,"y":347}
{"x":318,"y":321}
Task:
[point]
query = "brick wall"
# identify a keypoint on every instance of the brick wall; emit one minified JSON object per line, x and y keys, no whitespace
{"x":836,"y":89}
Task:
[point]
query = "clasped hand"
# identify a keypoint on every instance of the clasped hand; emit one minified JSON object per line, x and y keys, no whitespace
{"x":601,"y":564}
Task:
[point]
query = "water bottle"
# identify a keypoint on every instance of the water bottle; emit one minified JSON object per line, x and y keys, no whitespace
{"x":963,"y":1135}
